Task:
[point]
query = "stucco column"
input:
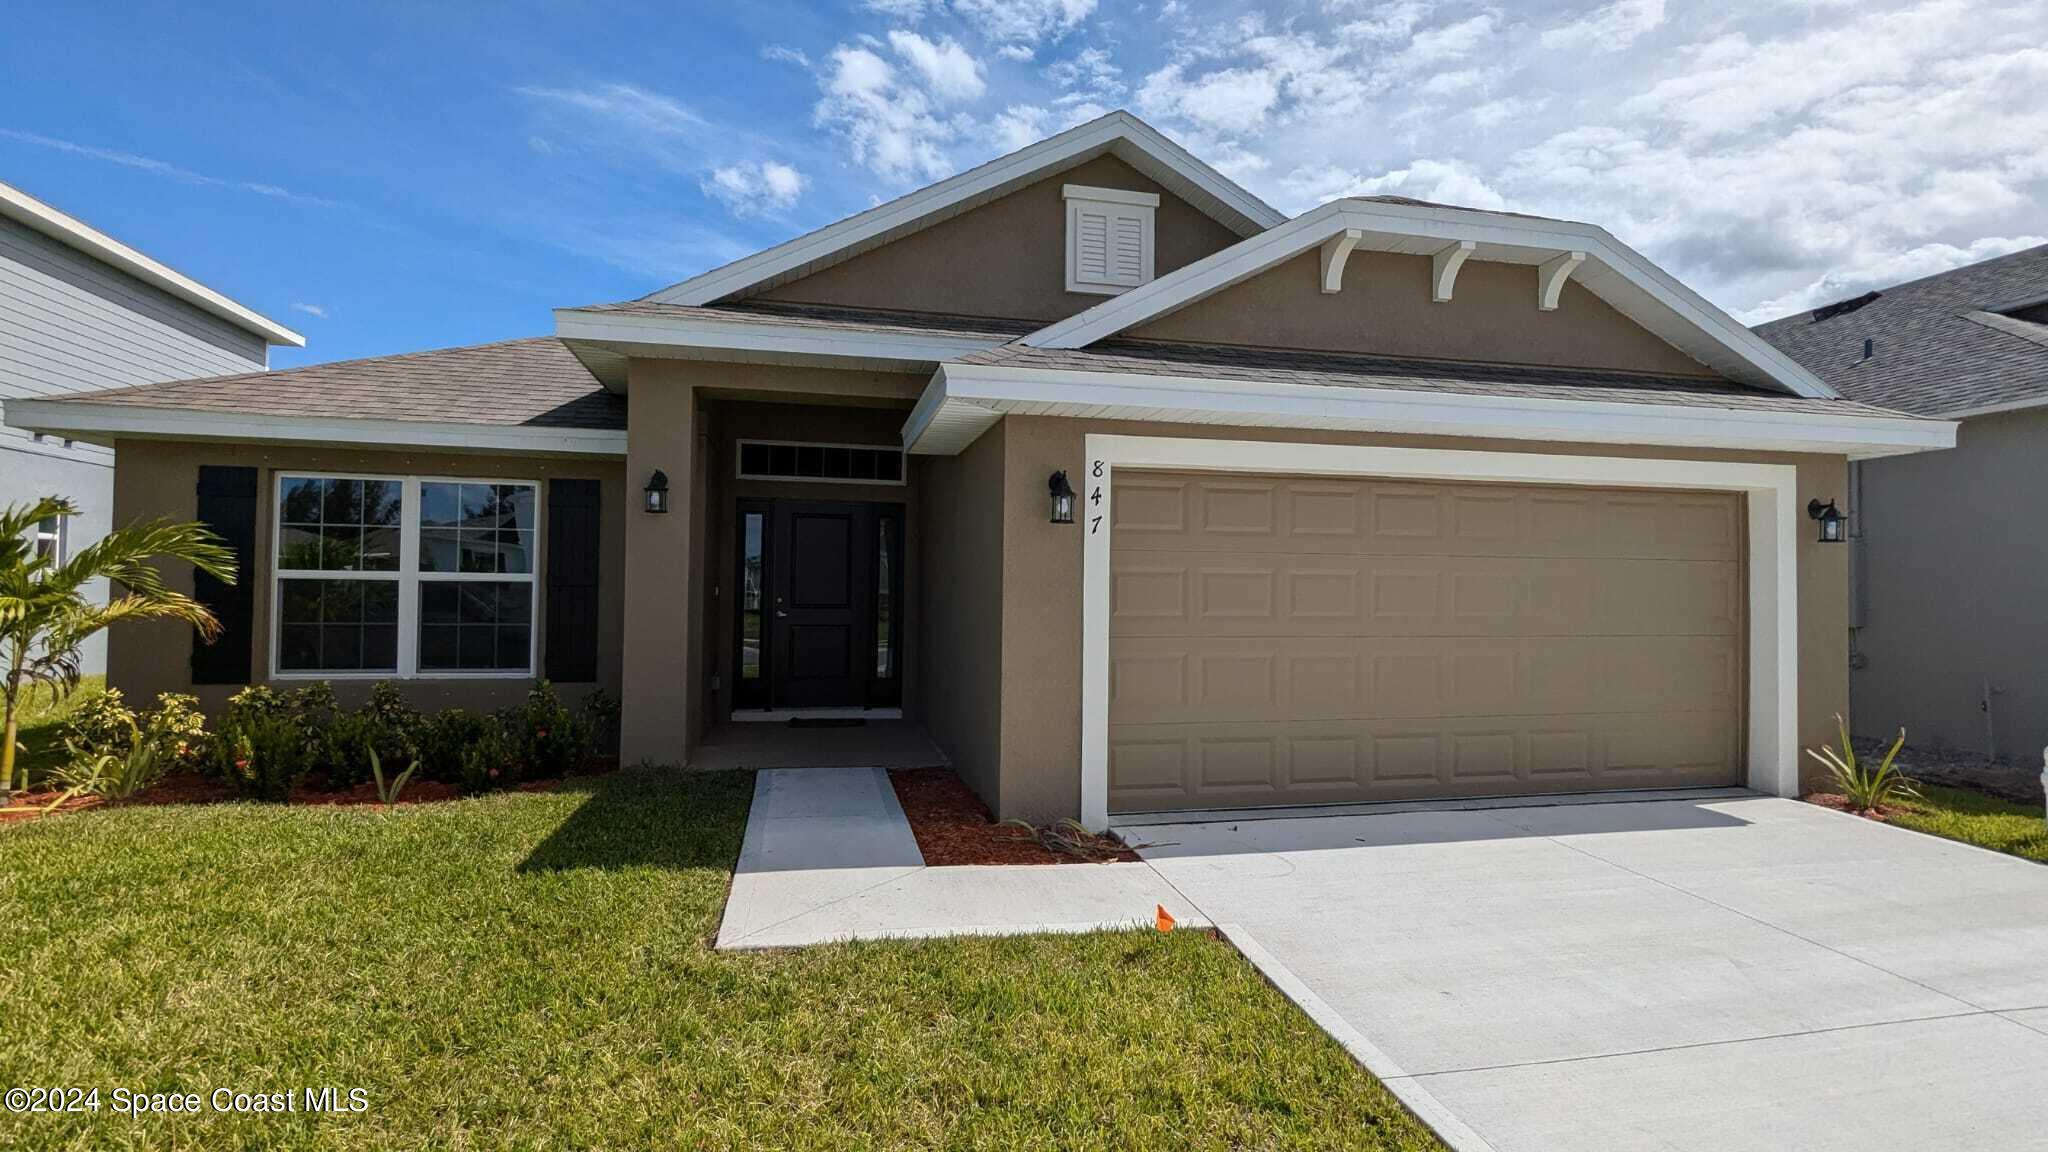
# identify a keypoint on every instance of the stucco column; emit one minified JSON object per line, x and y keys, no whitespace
{"x":656,"y":692}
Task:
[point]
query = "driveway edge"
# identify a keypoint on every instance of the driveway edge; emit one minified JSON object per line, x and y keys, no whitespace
{"x":1455,"y":1133}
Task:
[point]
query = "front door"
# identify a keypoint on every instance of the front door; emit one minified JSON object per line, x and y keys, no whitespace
{"x":819,"y":583}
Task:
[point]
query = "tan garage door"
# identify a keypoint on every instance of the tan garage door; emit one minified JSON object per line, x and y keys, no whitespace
{"x":1297,"y":640}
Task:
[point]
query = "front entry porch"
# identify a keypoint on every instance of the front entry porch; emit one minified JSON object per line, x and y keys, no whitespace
{"x":807,"y":744}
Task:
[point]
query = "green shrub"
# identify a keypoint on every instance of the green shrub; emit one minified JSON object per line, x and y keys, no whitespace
{"x":266,"y":742}
{"x":445,"y":739}
{"x":601,"y":711}
{"x":387,"y":725}
{"x":103,"y":726}
{"x":546,"y":737}
{"x":490,"y":762}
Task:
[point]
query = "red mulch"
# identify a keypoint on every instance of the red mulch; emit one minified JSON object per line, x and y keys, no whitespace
{"x":1840,"y":803}
{"x":953,"y":827}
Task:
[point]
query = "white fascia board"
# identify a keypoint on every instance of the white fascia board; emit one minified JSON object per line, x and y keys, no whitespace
{"x":792,"y":343}
{"x":1383,"y":226}
{"x":33,"y":213}
{"x":906,"y":214}
{"x":105,"y":423}
{"x":942,"y":417}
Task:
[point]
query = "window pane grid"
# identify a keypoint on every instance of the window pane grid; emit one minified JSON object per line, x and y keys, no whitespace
{"x":448,"y":565}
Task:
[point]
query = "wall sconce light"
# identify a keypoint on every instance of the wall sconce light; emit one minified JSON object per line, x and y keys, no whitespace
{"x":1830,"y":520}
{"x":657,"y":491}
{"x":1062,"y":498}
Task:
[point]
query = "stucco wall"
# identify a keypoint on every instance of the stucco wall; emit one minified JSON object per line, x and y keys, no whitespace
{"x":1006,"y":258}
{"x":965,"y":581}
{"x":1953,"y":567}
{"x":1385,"y":309}
{"x":160,"y":478}
{"x":1041,"y":613}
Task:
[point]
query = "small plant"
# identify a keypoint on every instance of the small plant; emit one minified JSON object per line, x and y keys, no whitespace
{"x":387,"y":794}
{"x":1867,"y":789}
{"x":264,"y":754}
{"x":490,"y":762}
{"x":1068,"y":837}
{"x":548,"y":739}
{"x":445,"y":739}
{"x":114,"y":777}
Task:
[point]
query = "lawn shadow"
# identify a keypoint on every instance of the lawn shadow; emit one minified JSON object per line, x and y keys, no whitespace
{"x":648,"y":818}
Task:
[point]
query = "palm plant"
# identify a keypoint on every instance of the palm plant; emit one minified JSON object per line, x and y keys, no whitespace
{"x":46,"y":613}
{"x":1867,"y":789}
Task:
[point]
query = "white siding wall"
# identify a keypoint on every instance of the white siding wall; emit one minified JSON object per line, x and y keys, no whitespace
{"x":71,"y":324}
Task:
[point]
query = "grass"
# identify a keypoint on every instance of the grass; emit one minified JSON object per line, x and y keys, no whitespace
{"x":533,"y":971}
{"x":42,"y":718}
{"x":1975,"y":818}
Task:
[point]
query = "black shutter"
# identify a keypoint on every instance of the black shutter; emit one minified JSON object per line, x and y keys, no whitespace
{"x":572,"y":531}
{"x":227,"y":504}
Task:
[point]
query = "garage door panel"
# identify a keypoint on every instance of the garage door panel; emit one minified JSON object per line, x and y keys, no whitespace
{"x":1177,"y":680}
{"x":1158,"y":767}
{"x":1157,"y":593}
{"x":1287,"y":640}
{"x":1154,"y":511}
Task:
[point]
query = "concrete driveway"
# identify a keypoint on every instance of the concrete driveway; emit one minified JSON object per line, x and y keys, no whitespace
{"x":1719,"y":974}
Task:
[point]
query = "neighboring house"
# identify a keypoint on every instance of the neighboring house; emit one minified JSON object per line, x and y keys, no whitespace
{"x":81,"y":311}
{"x":1949,"y":627}
{"x":1386,"y":501}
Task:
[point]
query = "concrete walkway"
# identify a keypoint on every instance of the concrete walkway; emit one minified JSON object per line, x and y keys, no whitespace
{"x":1736,"y":975}
{"x":829,"y":856}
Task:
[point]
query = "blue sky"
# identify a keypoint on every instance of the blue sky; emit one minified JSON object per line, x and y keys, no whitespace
{"x":392,"y":177}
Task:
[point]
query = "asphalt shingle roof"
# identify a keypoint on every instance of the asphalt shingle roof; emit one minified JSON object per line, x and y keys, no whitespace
{"x":1939,"y":344}
{"x":534,"y":383}
{"x":1224,"y":362}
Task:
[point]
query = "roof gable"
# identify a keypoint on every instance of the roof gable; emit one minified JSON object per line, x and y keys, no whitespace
{"x":1557,"y":251}
{"x":1117,"y":133}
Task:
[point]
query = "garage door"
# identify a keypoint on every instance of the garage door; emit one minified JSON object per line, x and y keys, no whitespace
{"x":1304,"y":640}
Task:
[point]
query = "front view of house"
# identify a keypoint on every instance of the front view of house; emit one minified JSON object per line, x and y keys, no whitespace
{"x":1386,"y":501}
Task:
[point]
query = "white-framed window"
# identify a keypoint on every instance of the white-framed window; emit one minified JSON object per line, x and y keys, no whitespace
{"x":831,"y":463}
{"x":1109,"y":239}
{"x":51,"y":532}
{"x":403,"y":576}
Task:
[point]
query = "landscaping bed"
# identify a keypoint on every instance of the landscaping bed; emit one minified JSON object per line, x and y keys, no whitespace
{"x":1964,"y":814}
{"x":953,"y":826}
{"x":533,"y":970}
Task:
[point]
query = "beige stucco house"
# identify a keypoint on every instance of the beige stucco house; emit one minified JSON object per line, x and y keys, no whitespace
{"x":1388,"y":500}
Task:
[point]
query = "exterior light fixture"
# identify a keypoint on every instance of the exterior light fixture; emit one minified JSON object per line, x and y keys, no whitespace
{"x":1062,"y":498}
{"x":657,"y":491}
{"x":1830,"y":520}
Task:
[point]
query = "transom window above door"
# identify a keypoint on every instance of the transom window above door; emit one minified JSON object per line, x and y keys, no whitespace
{"x":832,"y":463}
{"x":402,"y":576}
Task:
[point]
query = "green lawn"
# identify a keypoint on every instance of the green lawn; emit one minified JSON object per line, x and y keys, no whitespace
{"x":1976,"y":818}
{"x":533,"y":971}
{"x":41,"y":718}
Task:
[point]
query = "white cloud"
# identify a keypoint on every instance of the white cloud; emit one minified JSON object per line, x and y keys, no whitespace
{"x":166,"y":168}
{"x":1090,"y":70}
{"x":313,"y":310}
{"x":947,"y":70}
{"x":625,"y":105}
{"x":749,"y":189}
{"x":1022,"y":125}
{"x":1884,"y":269}
{"x":891,"y":125}
{"x":897,"y":9}
{"x":1232,"y":100}
{"x":1609,"y":28}
{"x":783,"y":53}
{"x":1438,"y":181}
{"x":1024,"y":22}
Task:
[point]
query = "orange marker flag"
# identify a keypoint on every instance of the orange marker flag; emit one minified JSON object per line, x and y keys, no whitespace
{"x":1164,"y":919}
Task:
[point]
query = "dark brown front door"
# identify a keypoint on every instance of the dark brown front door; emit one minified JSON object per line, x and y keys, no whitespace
{"x":819,"y":585}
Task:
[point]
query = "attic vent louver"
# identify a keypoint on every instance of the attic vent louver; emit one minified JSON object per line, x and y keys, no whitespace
{"x":1843,"y":307}
{"x":1109,"y":239}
